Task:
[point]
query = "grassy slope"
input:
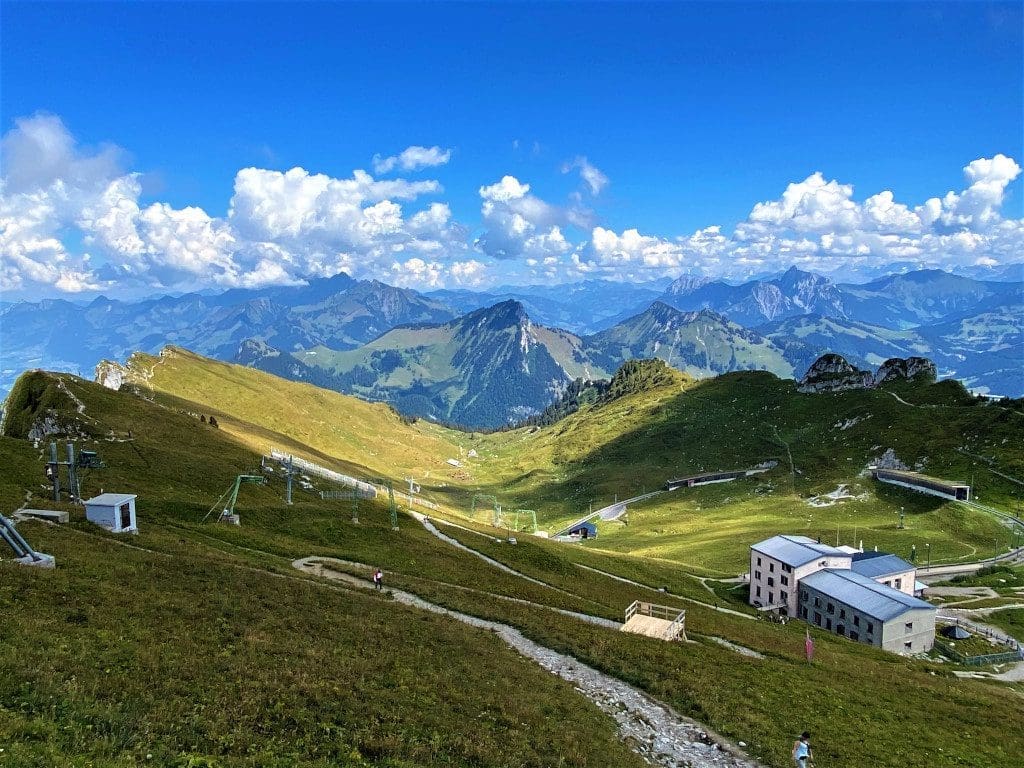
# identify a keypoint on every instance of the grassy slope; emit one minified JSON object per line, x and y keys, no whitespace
{"x":738,"y":420}
{"x":635,"y":443}
{"x":368,"y":438}
{"x":227,"y":623}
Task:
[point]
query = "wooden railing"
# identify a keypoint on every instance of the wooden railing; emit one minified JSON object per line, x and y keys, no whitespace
{"x":673,"y":615}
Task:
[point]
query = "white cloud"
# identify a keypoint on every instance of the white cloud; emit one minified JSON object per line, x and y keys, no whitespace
{"x":520,"y":224}
{"x":590,"y":173}
{"x":509,"y":188}
{"x":75,"y":219}
{"x":412,"y":159}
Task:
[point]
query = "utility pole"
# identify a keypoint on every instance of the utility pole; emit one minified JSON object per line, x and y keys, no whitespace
{"x":288,"y":474}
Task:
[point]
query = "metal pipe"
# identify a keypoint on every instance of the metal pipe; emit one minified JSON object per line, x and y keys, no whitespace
{"x":56,"y":471}
{"x":10,"y":532}
{"x":72,"y":474}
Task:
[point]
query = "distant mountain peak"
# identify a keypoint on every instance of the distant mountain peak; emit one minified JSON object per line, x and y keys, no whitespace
{"x":504,"y":314}
{"x":687,"y":284}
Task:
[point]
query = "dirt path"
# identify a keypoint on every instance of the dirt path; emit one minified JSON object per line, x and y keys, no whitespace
{"x":429,"y":525}
{"x":660,"y":735}
{"x":624,"y":580}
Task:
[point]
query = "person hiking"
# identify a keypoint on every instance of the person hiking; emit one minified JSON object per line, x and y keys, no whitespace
{"x":802,"y":755}
{"x":378,"y":579}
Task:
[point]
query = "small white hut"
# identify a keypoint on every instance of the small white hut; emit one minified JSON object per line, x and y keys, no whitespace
{"x":114,"y":511}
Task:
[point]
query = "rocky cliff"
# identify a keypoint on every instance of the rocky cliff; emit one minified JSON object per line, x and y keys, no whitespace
{"x":832,"y":373}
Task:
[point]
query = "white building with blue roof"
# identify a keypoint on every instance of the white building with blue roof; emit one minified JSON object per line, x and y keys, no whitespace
{"x":858,"y":607}
{"x":866,"y":596}
{"x":778,"y":563}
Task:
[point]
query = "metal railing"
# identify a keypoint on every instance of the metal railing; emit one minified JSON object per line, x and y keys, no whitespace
{"x":978,"y":661}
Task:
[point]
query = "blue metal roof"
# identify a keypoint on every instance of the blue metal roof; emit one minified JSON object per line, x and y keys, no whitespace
{"x":863,"y":594}
{"x":876,"y":567}
{"x":796,"y":550}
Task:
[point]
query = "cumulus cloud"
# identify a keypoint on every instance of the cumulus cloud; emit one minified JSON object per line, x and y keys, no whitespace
{"x":75,"y":219}
{"x":818,"y":224}
{"x":589,"y":173}
{"x":412,"y":158}
{"x":282,"y":227}
{"x":520,"y":224}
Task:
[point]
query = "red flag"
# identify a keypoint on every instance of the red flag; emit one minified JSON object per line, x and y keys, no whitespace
{"x":809,"y":646}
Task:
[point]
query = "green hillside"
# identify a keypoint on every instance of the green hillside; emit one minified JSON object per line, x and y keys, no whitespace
{"x":674,"y":426}
{"x":634,"y":444}
{"x":200,"y":645}
{"x":485,"y":369}
{"x":700,"y":344}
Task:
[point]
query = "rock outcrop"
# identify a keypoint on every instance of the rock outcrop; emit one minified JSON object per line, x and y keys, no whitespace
{"x":110,"y":374}
{"x":832,"y":373}
{"x":889,"y":460}
{"x":911,"y":369}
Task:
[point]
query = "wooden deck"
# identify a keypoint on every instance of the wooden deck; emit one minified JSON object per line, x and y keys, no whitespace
{"x":658,"y":621}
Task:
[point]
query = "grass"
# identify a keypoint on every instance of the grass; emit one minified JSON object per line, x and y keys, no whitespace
{"x":1010,"y":621}
{"x":634,"y":443}
{"x":215,"y":658}
{"x":203,"y":663}
{"x":975,"y":645}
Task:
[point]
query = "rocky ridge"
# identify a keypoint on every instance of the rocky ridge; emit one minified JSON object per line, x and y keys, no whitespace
{"x":833,"y":373}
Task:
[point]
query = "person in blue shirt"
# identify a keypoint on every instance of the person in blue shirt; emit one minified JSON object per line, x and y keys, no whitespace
{"x":802,"y":755}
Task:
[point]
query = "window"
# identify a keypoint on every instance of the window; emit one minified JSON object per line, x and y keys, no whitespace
{"x":841,"y":630}
{"x":828,"y":624}
{"x":899,"y":583}
{"x":770,"y":598}
{"x":803,"y":613}
{"x":817,"y":618}
{"x":908,"y":627}
{"x":871,"y":627}
{"x":759,"y":561}
{"x":757,"y":575}
{"x":785,"y":580}
{"x":854,"y":636}
{"x":842,"y":613}
{"x":784,"y":597}
{"x":771,"y":582}
{"x":758,"y":592}
{"x":817,"y":602}
{"x":888,"y":583}
{"x":908,"y":646}
{"x":787,"y":568}
{"x":856,"y":621}
{"x":771,"y":567}
{"x":831,"y":608}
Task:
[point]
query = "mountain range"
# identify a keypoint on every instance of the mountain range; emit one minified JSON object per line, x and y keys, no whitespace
{"x":488,"y":358}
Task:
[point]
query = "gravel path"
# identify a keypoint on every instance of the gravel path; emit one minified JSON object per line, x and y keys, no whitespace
{"x":660,"y":735}
{"x":624,"y":580}
{"x":456,"y":543}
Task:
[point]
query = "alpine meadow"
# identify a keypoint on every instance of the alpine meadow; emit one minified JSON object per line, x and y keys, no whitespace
{"x":511,"y":385}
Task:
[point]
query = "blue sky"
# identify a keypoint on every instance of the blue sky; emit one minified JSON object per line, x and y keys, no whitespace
{"x":691,"y":113}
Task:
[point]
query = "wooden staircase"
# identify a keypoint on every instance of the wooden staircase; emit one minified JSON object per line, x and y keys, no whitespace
{"x":658,"y":621}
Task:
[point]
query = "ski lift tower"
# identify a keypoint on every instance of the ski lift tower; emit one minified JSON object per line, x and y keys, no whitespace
{"x":496,"y":520}
{"x":355,"y":496}
{"x":414,"y":488}
{"x":386,"y":482}
{"x":230,"y":496}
